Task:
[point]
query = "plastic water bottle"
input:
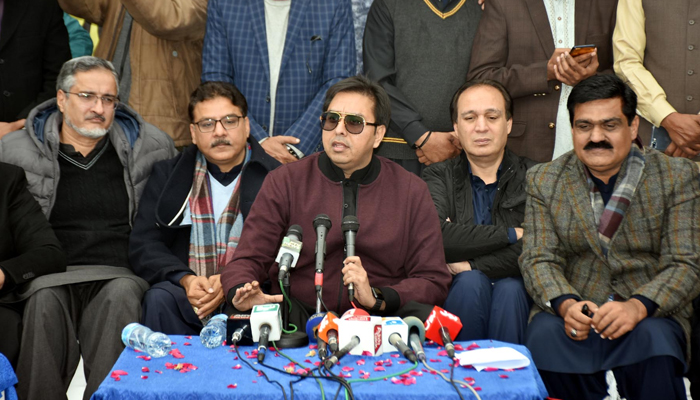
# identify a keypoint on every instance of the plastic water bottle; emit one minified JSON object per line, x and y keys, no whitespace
{"x":142,"y":338}
{"x":214,"y":333}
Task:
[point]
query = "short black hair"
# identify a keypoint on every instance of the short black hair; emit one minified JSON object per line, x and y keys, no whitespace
{"x":482,"y":82}
{"x":212,"y":90}
{"x":602,"y":87}
{"x":363,"y":85}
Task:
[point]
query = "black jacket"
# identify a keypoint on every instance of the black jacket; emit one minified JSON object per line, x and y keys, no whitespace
{"x":33,"y":47}
{"x":28,"y":246}
{"x":159,"y":251}
{"x":486,"y":247}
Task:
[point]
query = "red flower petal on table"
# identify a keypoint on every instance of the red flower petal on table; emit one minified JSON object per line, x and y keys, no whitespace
{"x":432,"y":371}
{"x":145,"y":369}
{"x":348,"y":369}
{"x":246,"y":352}
{"x":431,"y":343}
{"x":473,"y":346}
{"x":302,"y":371}
{"x":477,"y":388}
{"x":388,"y":363}
{"x":317,"y":363}
{"x":459,"y":347}
{"x":169,"y":365}
{"x":396,"y":381}
{"x":444,"y":371}
{"x":416,"y":373}
{"x":434,"y":360}
{"x":117,"y":378}
{"x":144,"y":376}
{"x":144,"y":358}
{"x":365,"y":376}
{"x":405,"y":376}
{"x":237,"y":366}
{"x":345,"y":375}
{"x":313,"y":346}
{"x":503,"y":376}
{"x":395,"y":355}
{"x":442,"y":353}
{"x":380,"y":363}
{"x":468,"y":378}
{"x":232,"y":386}
{"x":271,"y":348}
{"x":490,"y":369}
{"x":307,"y":361}
{"x":360,"y":362}
{"x":424,"y":370}
{"x":468,"y":366}
{"x":188,"y":337}
{"x":224,"y":343}
{"x":176,"y":353}
{"x":508,"y":369}
{"x":137,"y":351}
{"x":252,"y":356}
{"x":235,"y":358}
{"x":402,"y":361}
{"x":409,"y":381}
{"x":260,"y":373}
{"x":379,"y":369}
{"x":187,"y":344}
{"x":159,"y":372}
{"x":254,"y":381}
{"x":118,"y":372}
{"x":361,"y":372}
{"x":277,"y":354}
{"x":173,"y":343}
{"x":366,"y":353}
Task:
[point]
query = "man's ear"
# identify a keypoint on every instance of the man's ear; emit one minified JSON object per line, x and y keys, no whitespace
{"x":193,"y":133}
{"x":379,"y":135}
{"x":61,"y":100}
{"x":509,"y":125}
{"x":634,"y":128}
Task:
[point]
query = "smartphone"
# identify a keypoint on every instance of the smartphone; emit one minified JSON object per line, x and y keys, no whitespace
{"x":582,"y":49}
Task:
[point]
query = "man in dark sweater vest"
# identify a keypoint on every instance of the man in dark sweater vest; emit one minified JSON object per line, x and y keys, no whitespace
{"x":480,"y":199}
{"x":399,"y":265}
{"x":87,"y":159}
{"x":188,"y":228}
{"x":419,"y":51}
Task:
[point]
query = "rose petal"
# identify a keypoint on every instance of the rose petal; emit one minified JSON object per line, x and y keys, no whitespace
{"x":144,"y":376}
{"x":444,"y":371}
{"x":317,"y":363}
{"x":255,"y":381}
{"x":117,"y":378}
{"x":145,"y":369}
{"x":477,"y":388}
{"x":503,"y":376}
{"x":313,"y":346}
{"x":409,"y":381}
{"x":473,"y":346}
{"x":260,"y":373}
{"x":277,"y":354}
{"x":380,"y":363}
{"x":188,"y":337}
{"x":404,"y":376}
{"x":144,"y":358}
{"x":173,"y":343}
{"x":235,"y":358}
{"x":433,"y":372}
{"x":468,"y":378}
{"x":159,"y":372}
{"x":237,"y":366}
{"x":348,"y":369}
{"x":379,"y":369}
{"x":366,"y":353}
{"x":365,"y":376}
{"x":118,"y":372}
{"x":416,"y":373}
{"x":395,"y":355}
{"x":459,"y":347}
{"x":176,"y":353}
{"x":187,"y":344}
{"x":232,"y":386}
{"x":345,"y":375}
{"x":402,"y":361}
{"x":396,"y":381}
{"x":442,"y":353}
{"x":360,"y":362}
{"x":169,"y":365}
{"x":490,"y":369}
{"x":434,"y":360}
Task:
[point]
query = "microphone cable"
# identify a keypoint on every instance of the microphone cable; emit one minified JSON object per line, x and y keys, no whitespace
{"x":261,"y":372}
{"x":289,"y":302}
{"x":452,"y":381}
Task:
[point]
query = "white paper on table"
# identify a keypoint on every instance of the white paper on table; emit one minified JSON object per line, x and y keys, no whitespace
{"x":498,"y":357}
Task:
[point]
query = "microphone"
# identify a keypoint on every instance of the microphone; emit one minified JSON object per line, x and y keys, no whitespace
{"x":322,"y":224}
{"x":442,"y":327}
{"x":238,"y":330}
{"x":354,"y":342}
{"x":350,"y":226}
{"x":289,"y":251}
{"x":368,"y":329}
{"x":328,"y":331}
{"x":416,"y":336}
{"x":394,"y":331}
{"x":265,"y":321}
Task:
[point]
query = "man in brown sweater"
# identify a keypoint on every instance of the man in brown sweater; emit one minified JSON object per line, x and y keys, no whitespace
{"x":399,"y":266}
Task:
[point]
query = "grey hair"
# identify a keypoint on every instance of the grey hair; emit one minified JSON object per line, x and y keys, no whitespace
{"x":66,"y":78}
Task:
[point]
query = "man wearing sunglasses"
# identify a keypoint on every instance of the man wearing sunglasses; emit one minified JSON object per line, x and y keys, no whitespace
{"x":188,"y":228}
{"x":399,"y":265}
{"x":87,"y":159}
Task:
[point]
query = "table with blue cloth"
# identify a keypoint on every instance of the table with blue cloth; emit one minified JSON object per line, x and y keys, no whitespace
{"x":7,"y":380}
{"x":220,"y":374}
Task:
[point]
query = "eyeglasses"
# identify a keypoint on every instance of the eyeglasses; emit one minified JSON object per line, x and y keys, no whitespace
{"x":209,"y":125}
{"x":108,"y":101}
{"x":353,"y":123}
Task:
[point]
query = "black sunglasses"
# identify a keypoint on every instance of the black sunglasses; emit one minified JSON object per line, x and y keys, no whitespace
{"x":354,"y":123}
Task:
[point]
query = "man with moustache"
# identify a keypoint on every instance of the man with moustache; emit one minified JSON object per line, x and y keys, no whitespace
{"x":610,"y":254}
{"x":480,"y":199}
{"x":87,"y":158}
{"x":192,"y":212}
{"x":398,"y":267}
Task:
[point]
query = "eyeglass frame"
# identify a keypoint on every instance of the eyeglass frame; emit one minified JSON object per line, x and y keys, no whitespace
{"x":85,"y":96}
{"x":217,"y":121}
{"x":342,"y":118}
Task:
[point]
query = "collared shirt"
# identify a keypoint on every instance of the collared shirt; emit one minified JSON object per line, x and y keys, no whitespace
{"x":363,"y":176}
{"x":443,"y":5}
{"x":561,"y":14}
{"x":224,"y":178}
{"x":483,"y":196}
{"x":606,"y":189}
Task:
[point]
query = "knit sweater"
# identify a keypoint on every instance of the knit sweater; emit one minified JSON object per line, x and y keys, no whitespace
{"x":399,"y":239}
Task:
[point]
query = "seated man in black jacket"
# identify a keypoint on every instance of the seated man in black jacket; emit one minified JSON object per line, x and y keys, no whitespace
{"x":28,"y":249}
{"x":192,"y":210}
{"x":480,"y":199}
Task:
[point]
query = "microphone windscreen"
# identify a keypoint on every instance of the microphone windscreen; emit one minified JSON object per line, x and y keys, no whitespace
{"x":322,"y":220}
{"x":439,"y":318}
{"x":415,"y":325}
{"x":312,"y":326}
{"x":329,"y":323}
{"x":266,"y":314}
{"x":296,"y":231}
{"x":350,"y":223}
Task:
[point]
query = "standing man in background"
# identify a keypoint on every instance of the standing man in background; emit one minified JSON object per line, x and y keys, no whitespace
{"x":283,"y":55}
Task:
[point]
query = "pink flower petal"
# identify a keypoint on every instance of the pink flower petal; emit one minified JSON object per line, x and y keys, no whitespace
{"x":144,"y":376}
{"x":187,"y":344}
{"x":144,"y":358}
{"x":188,"y":337}
{"x":235,"y":358}
{"x":145,"y":369}
{"x":409,"y":381}
{"x":365,"y":376}
{"x":255,"y":381}
{"x":468,"y":378}
{"x":313,"y":346}
{"x":503,"y":376}
{"x":490,"y":369}
{"x":434,"y":360}
{"x":169,"y":365}
{"x":232,"y":386}
{"x":307,"y":361}
{"x":348,"y":369}
{"x":477,"y":388}
{"x":402,"y":361}
{"x":473,"y":346}
{"x":433,"y":372}
{"x":379,"y":369}
{"x":395,"y":355}
{"x":360,"y":362}
{"x":416,"y":373}
{"x":173,"y":343}
{"x":396,"y":381}
{"x":237,"y":366}
{"x":367,"y":353}
{"x":442,"y":353}
{"x":159,"y":372}
{"x":260,"y":373}
{"x":444,"y":371}
{"x":117,"y":378}
{"x":317,"y":363}
{"x":380,"y":363}
{"x":459,"y":347}
{"x":176,"y":353}
{"x":119,"y":372}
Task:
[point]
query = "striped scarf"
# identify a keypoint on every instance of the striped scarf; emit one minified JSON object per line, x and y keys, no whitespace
{"x":609,"y":217}
{"x":212,"y":244}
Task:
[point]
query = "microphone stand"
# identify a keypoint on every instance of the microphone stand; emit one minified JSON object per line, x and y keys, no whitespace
{"x":297,"y":338}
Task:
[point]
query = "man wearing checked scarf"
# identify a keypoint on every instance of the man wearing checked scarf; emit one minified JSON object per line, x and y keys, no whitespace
{"x":192,"y":212}
{"x":610,"y":254}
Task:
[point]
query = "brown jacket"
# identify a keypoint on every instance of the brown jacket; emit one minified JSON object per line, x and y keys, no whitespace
{"x":513,"y":44}
{"x":165,"y":53}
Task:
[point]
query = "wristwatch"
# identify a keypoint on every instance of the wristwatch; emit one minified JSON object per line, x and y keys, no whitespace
{"x":379,"y":300}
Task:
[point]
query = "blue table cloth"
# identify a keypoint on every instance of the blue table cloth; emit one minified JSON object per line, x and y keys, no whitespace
{"x":7,"y":379}
{"x":221,"y":375}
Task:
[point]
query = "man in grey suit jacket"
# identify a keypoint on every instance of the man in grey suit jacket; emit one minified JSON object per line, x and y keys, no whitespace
{"x":610,"y":253}
{"x":524,"y":44}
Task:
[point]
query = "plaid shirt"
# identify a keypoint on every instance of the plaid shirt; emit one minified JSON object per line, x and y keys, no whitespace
{"x":319,"y":51}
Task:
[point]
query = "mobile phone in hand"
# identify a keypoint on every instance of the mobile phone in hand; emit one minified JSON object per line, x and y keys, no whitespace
{"x":582,"y":49}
